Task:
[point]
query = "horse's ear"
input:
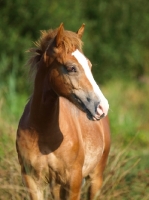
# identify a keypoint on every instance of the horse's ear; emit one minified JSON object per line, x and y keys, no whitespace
{"x":81,"y":31}
{"x":59,"y":35}
{"x":56,"y":43}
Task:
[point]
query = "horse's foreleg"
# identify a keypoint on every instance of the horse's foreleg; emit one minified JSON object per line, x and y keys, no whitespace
{"x":75,"y":184}
{"x":95,"y":186}
{"x":72,"y":190}
{"x":96,"y":177}
{"x":55,"y":191}
{"x":34,"y":190}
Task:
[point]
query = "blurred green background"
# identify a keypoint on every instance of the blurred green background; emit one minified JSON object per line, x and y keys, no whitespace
{"x":116,"y":40}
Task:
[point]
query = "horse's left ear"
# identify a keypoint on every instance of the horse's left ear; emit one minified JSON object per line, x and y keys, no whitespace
{"x":59,"y":35}
{"x":81,"y":31}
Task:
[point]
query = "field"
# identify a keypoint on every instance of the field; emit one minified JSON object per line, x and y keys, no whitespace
{"x":127,"y":172}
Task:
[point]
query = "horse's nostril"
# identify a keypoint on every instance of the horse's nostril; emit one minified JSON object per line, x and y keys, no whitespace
{"x":100,"y":109}
{"x":88,"y":99}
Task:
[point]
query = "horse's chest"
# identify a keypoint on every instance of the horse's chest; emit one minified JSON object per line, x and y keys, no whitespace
{"x":93,"y":153}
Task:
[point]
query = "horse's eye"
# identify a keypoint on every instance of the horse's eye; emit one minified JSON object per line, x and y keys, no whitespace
{"x":71,"y":69}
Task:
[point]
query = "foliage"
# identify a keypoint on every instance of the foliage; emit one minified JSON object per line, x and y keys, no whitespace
{"x":21,"y":22}
{"x":119,"y":29}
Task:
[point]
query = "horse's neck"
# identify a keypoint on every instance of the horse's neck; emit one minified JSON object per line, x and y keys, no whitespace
{"x":44,"y":102}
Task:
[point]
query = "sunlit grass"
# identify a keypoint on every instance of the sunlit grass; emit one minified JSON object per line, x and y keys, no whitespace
{"x":128,"y":111}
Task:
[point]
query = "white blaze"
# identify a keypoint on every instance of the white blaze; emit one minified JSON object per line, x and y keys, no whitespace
{"x":84,"y":63}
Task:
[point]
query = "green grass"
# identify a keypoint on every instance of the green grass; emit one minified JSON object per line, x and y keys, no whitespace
{"x":128,"y":111}
{"x":127,"y":172}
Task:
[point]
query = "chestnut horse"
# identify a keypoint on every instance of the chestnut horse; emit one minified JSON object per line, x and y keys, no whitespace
{"x":63,"y":135}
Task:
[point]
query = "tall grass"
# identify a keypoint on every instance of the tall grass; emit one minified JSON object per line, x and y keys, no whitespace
{"x":123,"y":178}
{"x":129,"y":110}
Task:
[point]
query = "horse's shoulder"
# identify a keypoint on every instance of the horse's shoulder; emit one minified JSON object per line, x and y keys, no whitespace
{"x":25,"y":116}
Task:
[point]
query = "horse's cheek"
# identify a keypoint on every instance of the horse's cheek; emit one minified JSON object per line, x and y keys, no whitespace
{"x":61,"y":85}
{"x":55,"y":79}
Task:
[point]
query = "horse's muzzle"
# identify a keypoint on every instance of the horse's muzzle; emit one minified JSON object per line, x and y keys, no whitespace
{"x":94,"y":109}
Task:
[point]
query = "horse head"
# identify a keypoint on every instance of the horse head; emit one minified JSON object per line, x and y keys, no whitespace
{"x":69,"y":73}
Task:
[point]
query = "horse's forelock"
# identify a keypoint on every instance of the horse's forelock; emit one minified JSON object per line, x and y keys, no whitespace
{"x":70,"y":40}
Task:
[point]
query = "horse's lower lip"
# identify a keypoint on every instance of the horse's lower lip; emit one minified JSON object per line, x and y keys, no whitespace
{"x":98,"y":117}
{"x":94,"y":117}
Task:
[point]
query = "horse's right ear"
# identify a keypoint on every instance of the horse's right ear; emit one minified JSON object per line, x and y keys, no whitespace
{"x":58,"y":37}
{"x":81,"y":31}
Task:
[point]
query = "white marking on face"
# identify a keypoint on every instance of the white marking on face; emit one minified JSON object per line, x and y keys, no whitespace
{"x":84,"y":63}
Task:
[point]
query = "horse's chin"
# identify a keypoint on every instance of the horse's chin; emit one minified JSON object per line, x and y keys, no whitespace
{"x":94,"y":118}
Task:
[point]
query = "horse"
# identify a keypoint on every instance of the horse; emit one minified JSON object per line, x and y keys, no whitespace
{"x":63,"y":136}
